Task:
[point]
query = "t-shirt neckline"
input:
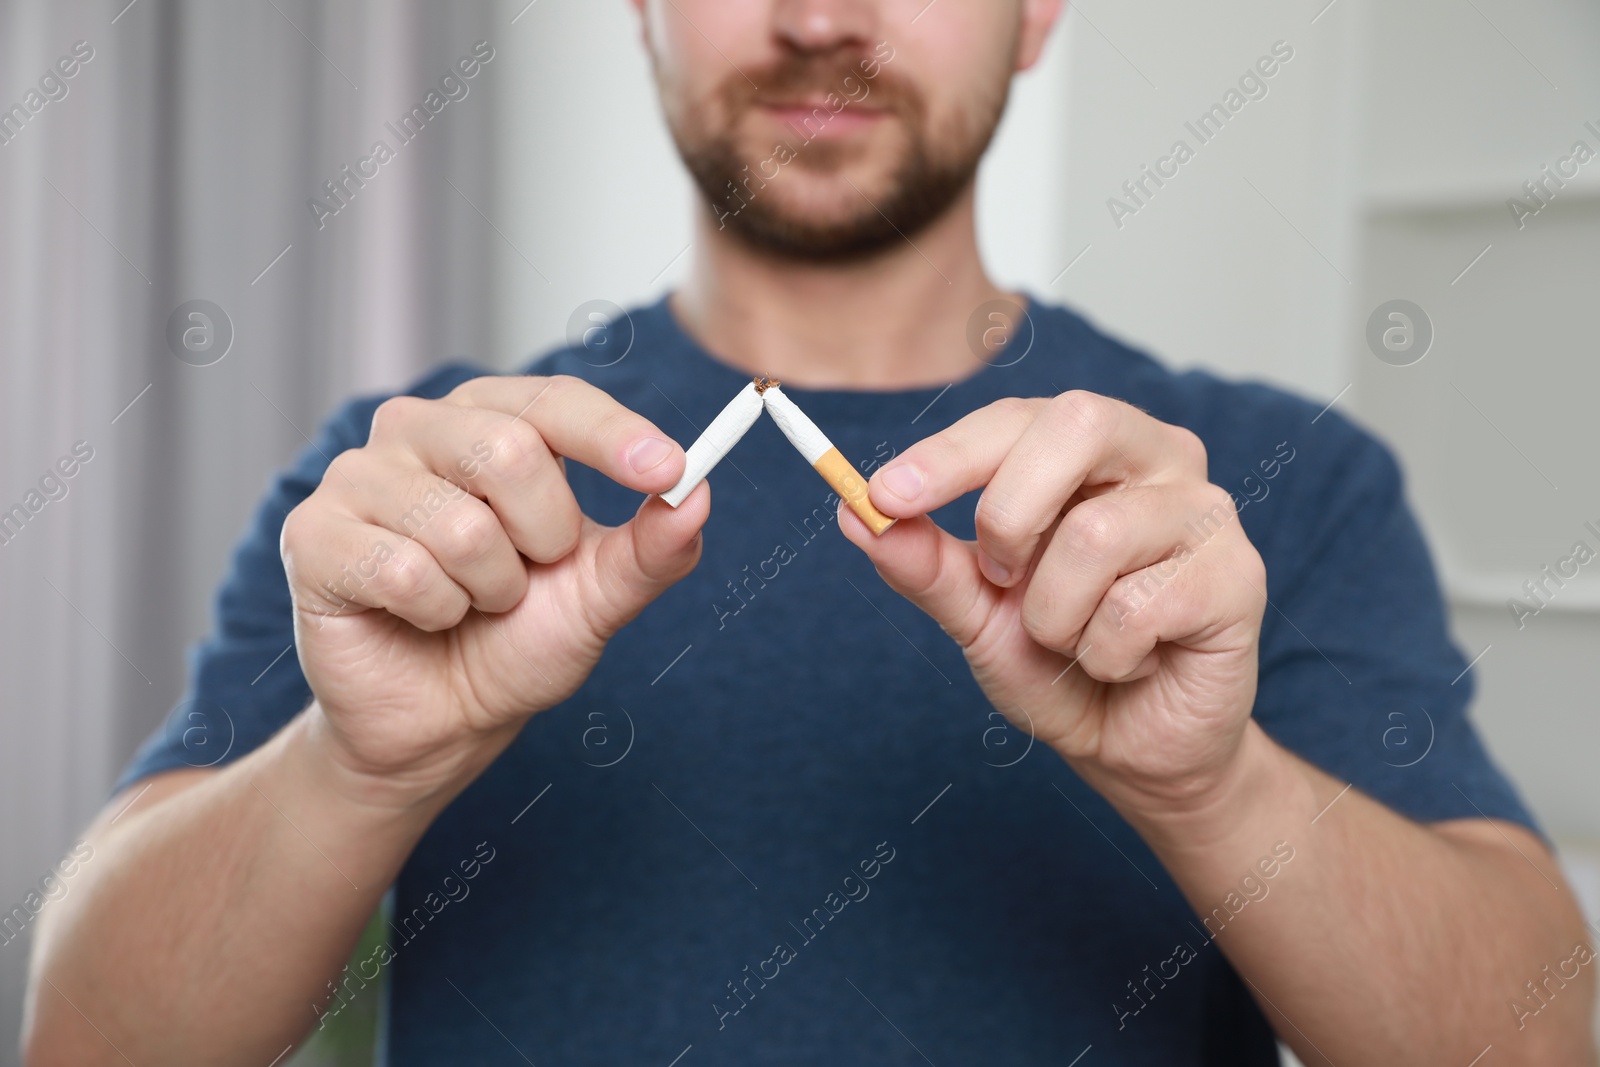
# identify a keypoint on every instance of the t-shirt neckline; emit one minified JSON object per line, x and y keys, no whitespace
{"x":700,"y":363}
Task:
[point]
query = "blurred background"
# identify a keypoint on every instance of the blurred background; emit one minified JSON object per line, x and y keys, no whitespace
{"x":1423,"y":151}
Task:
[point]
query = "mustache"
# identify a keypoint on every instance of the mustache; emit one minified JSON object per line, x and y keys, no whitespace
{"x":812,"y":77}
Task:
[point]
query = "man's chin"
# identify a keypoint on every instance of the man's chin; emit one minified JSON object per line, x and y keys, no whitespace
{"x":829,"y":211}
{"x":810,"y":237}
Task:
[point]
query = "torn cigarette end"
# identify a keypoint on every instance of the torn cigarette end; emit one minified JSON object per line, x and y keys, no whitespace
{"x":725,"y":431}
{"x":824,"y":457}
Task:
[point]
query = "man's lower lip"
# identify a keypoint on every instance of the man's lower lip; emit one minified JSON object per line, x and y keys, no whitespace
{"x":819,"y":121}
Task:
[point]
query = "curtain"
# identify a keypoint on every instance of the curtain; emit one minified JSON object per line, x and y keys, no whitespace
{"x":176,"y":316}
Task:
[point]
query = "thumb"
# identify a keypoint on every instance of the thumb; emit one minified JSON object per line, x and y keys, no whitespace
{"x":935,"y":571}
{"x":639,"y":560}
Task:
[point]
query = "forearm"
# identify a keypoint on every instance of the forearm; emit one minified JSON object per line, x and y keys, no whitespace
{"x":212,"y":920}
{"x":1382,"y":941}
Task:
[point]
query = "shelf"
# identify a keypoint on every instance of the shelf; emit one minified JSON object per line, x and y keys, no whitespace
{"x":1449,"y":197}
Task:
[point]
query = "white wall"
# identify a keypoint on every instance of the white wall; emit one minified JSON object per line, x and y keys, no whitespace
{"x":1208,"y":272}
{"x":1495,"y":424}
{"x":589,"y":186}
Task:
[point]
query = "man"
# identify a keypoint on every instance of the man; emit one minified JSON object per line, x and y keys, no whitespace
{"x":656,"y":783}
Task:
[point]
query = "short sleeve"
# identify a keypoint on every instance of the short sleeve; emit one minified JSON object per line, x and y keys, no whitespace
{"x":244,"y":679}
{"x":1359,"y":674}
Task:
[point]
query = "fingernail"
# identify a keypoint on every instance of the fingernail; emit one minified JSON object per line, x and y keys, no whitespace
{"x":993,"y":571}
{"x":904,"y":481}
{"x":648,"y":454}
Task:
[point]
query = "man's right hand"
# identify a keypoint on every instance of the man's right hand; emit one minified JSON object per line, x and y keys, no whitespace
{"x":446,"y":584}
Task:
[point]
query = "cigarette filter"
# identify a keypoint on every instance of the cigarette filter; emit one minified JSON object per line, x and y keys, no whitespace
{"x":820,"y":452}
{"x":717,"y":441}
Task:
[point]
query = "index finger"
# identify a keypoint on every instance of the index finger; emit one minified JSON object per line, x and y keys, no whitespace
{"x":584,"y":423}
{"x":1030,"y":457}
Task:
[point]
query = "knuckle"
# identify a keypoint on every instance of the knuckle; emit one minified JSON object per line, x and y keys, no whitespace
{"x":469,"y":536}
{"x":298,"y":541}
{"x":1097,"y":527}
{"x":1190,"y":448}
{"x":404,"y":578}
{"x":1079,"y":418}
{"x":1000,"y":520}
{"x":1083,"y":406}
{"x":1015,"y":408}
{"x":393,"y":416}
{"x":1216,"y":513}
{"x":1043,"y":622}
{"x":559,"y":387}
{"x":296,"y":533}
{"x":1128,"y":596}
{"x":469,"y":391}
{"x":1252,"y":570}
{"x":1078,"y":399}
{"x":1215,"y":498}
{"x":516,"y":449}
{"x":350,"y":468}
{"x":567,"y":531}
{"x":559,"y":532}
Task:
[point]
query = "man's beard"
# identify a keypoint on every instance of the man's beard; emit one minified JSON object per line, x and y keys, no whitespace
{"x":932,"y":171}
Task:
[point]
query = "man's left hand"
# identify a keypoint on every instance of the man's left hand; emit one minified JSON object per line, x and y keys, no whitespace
{"x":1111,"y":604}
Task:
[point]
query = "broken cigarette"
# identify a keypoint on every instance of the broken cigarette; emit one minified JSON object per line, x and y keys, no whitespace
{"x":820,"y":452}
{"x":717,"y":441}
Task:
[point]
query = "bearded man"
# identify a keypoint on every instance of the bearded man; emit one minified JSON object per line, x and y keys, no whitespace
{"x":1081,"y":761}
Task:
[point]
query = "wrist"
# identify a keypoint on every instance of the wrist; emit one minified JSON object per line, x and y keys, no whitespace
{"x":299,"y":794}
{"x":1258,"y":784}
{"x":422,"y":788}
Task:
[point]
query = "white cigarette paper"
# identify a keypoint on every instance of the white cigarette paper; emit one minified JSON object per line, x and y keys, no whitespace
{"x":796,"y":425}
{"x":717,"y":441}
{"x":827,"y":460}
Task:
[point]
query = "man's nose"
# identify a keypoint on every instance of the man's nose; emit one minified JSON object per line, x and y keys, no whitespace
{"x":821,"y":25}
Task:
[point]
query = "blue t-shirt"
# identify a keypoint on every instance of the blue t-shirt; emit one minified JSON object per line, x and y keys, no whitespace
{"x":780,"y":823}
